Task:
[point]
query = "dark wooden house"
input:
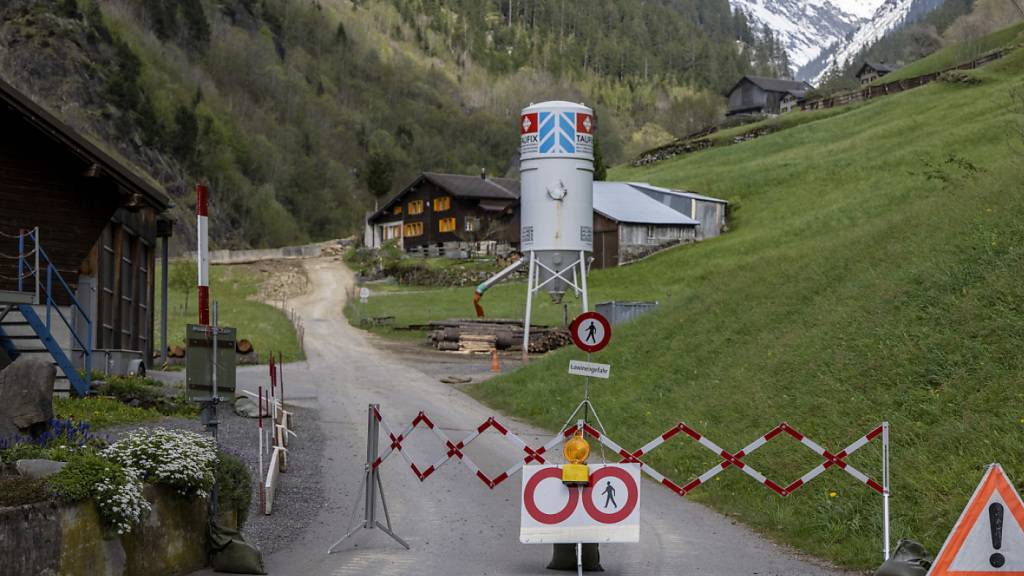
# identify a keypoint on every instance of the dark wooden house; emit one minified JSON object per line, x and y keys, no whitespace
{"x":757,"y":95}
{"x":872,"y":71}
{"x":437,"y":209}
{"x":98,"y":222}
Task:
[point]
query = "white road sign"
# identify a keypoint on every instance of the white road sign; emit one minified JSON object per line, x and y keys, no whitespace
{"x":606,"y":511}
{"x":592,"y":369}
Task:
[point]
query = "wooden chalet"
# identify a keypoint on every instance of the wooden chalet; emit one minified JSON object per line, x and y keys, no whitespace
{"x":98,"y":222}
{"x":438,"y":209}
{"x":872,"y":71}
{"x":758,"y":95}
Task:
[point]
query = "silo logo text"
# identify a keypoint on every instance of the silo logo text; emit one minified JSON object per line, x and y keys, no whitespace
{"x":556,"y":133}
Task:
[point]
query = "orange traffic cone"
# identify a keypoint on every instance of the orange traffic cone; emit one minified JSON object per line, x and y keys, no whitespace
{"x":495,"y":362}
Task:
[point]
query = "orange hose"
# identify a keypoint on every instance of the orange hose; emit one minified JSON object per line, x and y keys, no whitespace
{"x":476,"y":304}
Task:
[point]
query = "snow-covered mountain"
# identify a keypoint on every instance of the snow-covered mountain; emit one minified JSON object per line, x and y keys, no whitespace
{"x":818,"y":33}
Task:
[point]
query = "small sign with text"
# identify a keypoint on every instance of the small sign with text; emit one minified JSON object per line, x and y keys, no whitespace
{"x":591,"y":369}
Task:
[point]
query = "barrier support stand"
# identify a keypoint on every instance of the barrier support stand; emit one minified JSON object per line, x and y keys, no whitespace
{"x":885,"y":488}
{"x":373,"y":487}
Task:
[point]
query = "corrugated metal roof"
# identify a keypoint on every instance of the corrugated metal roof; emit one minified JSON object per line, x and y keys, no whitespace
{"x":622,"y":202}
{"x":795,"y":87}
{"x":678,"y":192}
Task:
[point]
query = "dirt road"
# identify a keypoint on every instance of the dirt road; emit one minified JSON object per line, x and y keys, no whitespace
{"x":454,"y":524}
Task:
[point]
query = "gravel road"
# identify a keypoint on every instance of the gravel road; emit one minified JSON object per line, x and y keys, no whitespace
{"x":454,"y":524}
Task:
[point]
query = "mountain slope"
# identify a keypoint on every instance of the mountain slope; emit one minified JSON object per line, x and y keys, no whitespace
{"x":819,"y":33}
{"x":303,"y":114}
{"x":872,"y":274}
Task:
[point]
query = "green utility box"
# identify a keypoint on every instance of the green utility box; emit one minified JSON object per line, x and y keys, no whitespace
{"x":199,"y":360}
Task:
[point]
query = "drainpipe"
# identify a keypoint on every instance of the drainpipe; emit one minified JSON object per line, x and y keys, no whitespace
{"x":485,"y":285}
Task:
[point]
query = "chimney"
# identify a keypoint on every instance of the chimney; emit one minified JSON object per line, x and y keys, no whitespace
{"x":483,"y":173}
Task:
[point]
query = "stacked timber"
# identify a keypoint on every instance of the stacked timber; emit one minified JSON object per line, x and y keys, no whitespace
{"x":480,"y":336}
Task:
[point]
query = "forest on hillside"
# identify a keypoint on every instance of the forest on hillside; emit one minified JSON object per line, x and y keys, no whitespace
{"x":302,"y":114}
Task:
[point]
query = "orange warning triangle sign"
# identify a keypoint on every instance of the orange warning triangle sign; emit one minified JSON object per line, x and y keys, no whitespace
{"x":988,"y":539}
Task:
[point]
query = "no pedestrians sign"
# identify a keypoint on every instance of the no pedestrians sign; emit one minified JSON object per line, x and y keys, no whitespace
{"x":590,"y":331}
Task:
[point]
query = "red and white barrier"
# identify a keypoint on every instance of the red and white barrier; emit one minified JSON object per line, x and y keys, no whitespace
{"x":729,"y":459}
{"x":273,"y":439}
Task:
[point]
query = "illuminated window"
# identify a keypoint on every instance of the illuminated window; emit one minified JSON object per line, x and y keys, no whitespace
{"x":415,"y":207}
{"x":398,"y":210}
{"x":414,"y":229}
{"x":443,"y":203}
{"x":446,"y":225}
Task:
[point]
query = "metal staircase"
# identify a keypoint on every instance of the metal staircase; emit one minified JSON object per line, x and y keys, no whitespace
{"x":27,"y":316}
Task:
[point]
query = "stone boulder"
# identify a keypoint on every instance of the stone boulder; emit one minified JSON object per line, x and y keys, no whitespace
{"x":38,"y":468}
{"x":26,"y":397}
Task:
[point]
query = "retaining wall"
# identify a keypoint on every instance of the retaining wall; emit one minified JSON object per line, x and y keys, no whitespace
{"x":48,"y":539}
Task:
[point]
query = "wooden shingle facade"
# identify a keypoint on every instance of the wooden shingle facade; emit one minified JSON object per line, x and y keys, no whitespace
{"x":98,"y":220}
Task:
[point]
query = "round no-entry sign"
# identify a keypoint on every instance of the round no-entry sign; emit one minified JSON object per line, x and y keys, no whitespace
{"x":590,"y":331}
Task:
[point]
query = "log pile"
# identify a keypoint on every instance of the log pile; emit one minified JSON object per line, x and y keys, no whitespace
{"x":480,"y":336}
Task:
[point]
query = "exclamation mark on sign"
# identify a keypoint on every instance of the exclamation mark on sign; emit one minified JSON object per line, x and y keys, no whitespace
{"x":995,"y":519}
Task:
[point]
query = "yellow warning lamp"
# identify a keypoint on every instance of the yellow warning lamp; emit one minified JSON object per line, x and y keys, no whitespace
{"x":576,"y":451}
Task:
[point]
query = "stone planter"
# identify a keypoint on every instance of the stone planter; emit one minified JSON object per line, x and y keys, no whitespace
{"x":48,"y":539}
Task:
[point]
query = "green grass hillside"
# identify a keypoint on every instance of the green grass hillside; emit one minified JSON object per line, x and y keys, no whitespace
{"x":874,"y":272}
{"x":955,"y":54}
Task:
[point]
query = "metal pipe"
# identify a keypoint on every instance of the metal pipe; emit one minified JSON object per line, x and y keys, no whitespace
{"x":163,"y":301}
{"x":371,"y":456}
{"x":36,"y":271}
{"x":21,"y":260}
{"x":486,"y":284}
{"x":529,"y":307}
{"x":885,"y":487}
{"x":583,"y":277}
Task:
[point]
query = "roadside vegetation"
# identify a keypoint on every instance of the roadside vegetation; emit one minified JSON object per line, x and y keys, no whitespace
{"x":124,"y":400}
{"x":111,"y":476}
{"x":235,"y":289}
{"x":872,"y":273}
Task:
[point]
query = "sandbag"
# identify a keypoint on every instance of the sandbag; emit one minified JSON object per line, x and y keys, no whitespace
{"x":232,"y":554}
{"x":909,"y":559}
{"x":563,"y":557}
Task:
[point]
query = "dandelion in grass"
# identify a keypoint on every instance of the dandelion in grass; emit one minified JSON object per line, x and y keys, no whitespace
{"x":833,"y":494}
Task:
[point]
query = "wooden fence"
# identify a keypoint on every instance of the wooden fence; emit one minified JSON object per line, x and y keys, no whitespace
{"x":870,"y":92}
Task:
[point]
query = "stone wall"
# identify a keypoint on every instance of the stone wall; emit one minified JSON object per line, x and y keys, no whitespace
{"x":69,"y":540}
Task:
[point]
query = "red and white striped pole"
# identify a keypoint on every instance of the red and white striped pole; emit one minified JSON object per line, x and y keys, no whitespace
{"x":203,"y":254}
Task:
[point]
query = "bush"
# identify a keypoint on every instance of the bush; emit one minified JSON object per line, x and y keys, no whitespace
{"x":234,"y":485}
{"x":144,"y":393}
{"x":102,"y":412}
{"x":177,"y":459}
{"x":115,"y":489}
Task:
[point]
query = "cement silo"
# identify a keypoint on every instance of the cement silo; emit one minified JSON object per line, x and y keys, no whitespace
{"x":556,"y":203}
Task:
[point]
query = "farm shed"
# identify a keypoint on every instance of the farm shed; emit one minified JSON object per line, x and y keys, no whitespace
{"x":98,"y":225}
{"x":629,"y":225}
{"x":436,"y":209}
{"x":709,"y":212}
{"x":757,"y":95}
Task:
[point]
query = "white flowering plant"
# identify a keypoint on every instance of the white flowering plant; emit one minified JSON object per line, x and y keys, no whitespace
{"x":116,"y":490}
{"x":181,"y":460}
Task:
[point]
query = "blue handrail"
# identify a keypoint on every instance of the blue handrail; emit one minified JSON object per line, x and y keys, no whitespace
{"x":41,"y":258}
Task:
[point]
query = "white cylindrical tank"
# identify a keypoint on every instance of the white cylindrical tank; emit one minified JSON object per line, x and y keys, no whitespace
{"x":557,"y":185}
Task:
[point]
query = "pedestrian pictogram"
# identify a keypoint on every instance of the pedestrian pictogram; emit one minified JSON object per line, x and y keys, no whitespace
{"x":610,"y":491}
{"x":590,"y":331}
{"x":608,"y":510}
{"x":988,"y":539}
